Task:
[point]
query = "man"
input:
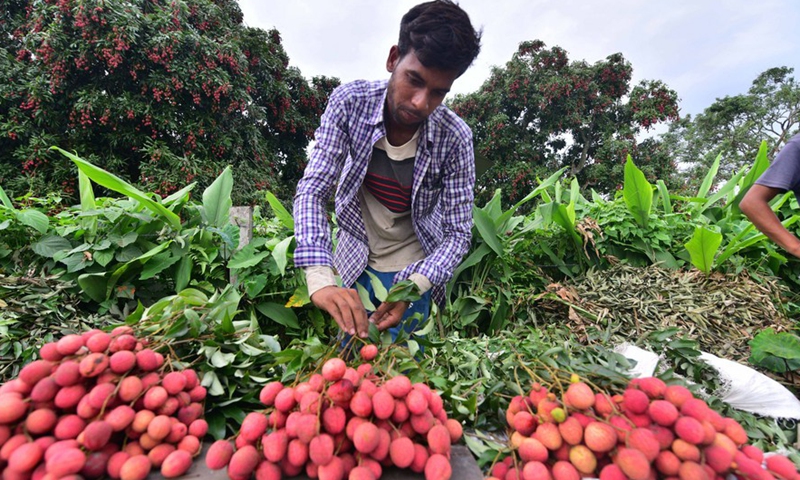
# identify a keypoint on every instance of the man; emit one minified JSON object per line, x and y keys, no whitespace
{"x":783,"y":175}
{"x":404,"y":171}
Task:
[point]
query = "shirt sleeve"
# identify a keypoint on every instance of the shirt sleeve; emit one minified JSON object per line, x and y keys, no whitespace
{"x":456,"y":201}
{"x":312,"y":230}
{"x":319,"y":277}
{"x":423,"y":284}
{"x":784,"y":173}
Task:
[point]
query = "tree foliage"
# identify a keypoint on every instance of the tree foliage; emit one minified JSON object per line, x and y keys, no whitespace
{"x":735,"y":126}
{"x":541,"y":112}
{"x":160,"y":92}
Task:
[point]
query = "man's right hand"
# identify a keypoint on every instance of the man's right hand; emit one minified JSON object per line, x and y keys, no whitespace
{"x":345,"y":306}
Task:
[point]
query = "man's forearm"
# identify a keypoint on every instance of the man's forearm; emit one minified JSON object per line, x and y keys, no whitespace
{"x":756,"y":207}
{"x":769,"y":224}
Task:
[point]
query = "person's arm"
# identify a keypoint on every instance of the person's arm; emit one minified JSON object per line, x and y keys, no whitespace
{"x":312,"y":230}
{"x":755,"y":205}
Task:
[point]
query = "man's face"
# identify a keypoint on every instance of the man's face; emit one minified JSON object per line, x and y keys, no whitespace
{"x":414,"y":90}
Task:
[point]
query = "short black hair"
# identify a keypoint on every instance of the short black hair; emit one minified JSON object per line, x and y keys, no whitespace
{"x":441,"y":35}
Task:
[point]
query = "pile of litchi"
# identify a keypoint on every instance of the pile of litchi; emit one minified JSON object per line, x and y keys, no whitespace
{"x":649,"y":431}
{"x":342,"y":423}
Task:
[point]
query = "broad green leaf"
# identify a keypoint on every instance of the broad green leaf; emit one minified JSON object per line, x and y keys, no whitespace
{"x":664,"y":194}
{"x":476,"y":256}
{"x":183,"y":273}
{"x":487,"y":230}
{"x":724,"y":191}
{"x":5,"y":200}
{"x":217,"y":200}
{"x":638,"y":193}
{"x":94,"y":285}
{"x":775,"y":350}
{"x":540,"y":190}
{"x":405,"y":291}
{"x":759,"y":166}
{"x":363,"y":294}
{"x":103,"y":257}
{"x":113,"y":182}
{"x":280,"y":212}
{"x":75,"y":262}
{"x":281,"y":253}
{"x":708,"y":181}
{"x":247,"y":257}
{"x":86,"y":192}
{"x":158,"y":264}
{"x":50,"y":245}
{"x":562,"y":217}
{"x":179,"y":197}
{"x":378,"y":289}
{"x":34,"y":219}
{"x":279,"y":313}
{"x":299,"y":298}
{"x":703,"y":247}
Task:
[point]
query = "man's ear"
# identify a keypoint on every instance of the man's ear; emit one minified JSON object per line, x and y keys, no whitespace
{"x":393,"y":59}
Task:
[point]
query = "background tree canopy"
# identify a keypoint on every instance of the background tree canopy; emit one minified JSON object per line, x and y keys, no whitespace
{"x":734,"y":127}
{"x":541,"y":112}
{"x":158,"y":92}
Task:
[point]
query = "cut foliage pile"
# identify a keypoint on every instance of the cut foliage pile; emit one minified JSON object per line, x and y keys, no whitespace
{"x":721,"y":312}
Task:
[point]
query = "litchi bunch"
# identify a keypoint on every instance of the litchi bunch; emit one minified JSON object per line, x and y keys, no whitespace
{"x":100,"y":404}
{"x":341,"y":423}
{"x":649,"y":431}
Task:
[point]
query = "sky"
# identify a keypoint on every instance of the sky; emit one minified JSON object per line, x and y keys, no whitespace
{"x":702,"y":49}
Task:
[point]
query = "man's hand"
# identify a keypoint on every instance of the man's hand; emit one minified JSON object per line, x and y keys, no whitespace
{"x":345,"y":306}
{"x":388,"y":314}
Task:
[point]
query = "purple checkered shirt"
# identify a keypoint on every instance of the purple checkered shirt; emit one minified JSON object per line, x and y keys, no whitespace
{"x":441,"y":195}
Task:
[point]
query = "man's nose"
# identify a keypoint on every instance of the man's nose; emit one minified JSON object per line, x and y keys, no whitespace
{"x":421,"y":100}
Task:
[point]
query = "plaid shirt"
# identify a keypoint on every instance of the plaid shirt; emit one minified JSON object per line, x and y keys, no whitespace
{"x":441,"y":196}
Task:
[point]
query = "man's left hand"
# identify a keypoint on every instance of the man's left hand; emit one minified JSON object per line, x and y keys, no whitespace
{"x":388,"y":314}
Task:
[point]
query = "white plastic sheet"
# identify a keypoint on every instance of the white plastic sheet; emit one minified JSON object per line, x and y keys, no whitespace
{"x":743,"y":387}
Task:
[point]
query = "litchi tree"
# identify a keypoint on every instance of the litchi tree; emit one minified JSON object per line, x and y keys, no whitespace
{"x":159,"y":92}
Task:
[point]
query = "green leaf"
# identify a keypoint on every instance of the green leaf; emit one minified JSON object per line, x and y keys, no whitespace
{"x":487,"y":229}
{"x":404,"y":291}
{"x":664,"y":194}
{"x":759,"y":166}
{"x":103,"y":257}
{"x":708,"y":181}
{"x":774,"y":350}
{"x":50,"y":245}
{"x":158,"y":264}
{"x":86,"y":192}
{"x":179,"y":197}
{"x":363,"y":294}
{"x":279,"y":313}
{"x":280,"y":212}
{"x":703,"y":247}
{"x":377,"y":287}
{"x":34,"y":219}
{"x":217,"y":200}
{"x":183,"y":273}
{"x":638,"y":193}
{"x":247,"y":257}
{"x":94,"y":285}
{"x":281,"y":253}
{"x":112,"y":182}
{"x":5,"y":200}
{"x":216,"y":425}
